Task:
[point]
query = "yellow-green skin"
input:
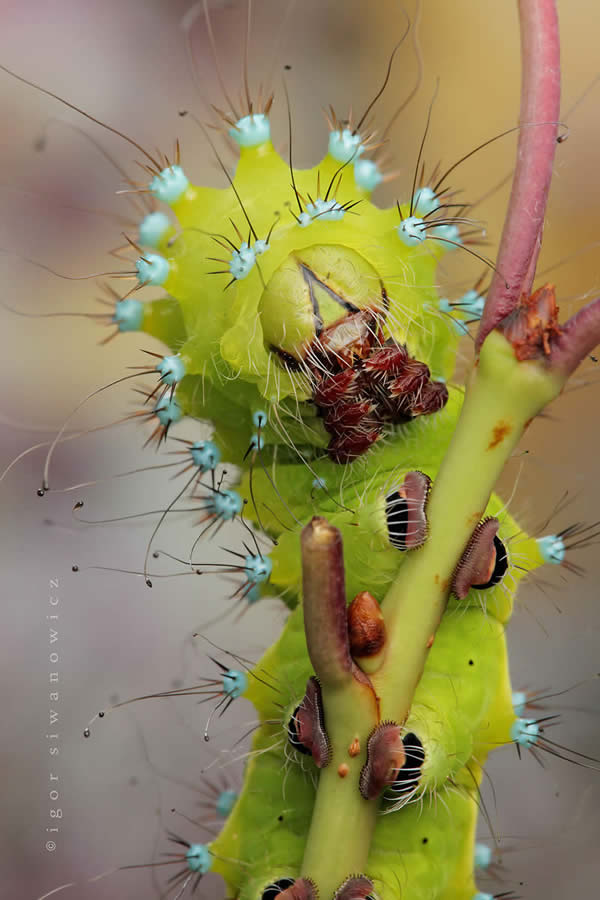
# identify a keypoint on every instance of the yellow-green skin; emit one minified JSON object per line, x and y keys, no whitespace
{"x":462,"y":708}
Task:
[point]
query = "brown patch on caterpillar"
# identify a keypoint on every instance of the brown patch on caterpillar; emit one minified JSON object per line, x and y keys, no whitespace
{"x":301,"y":889}
{"x":533,"y":324}
{"x":484,"y":562}
{"x":343,"y":770}
{"x":405,"y":512}
{"x":357,"y":887}
{"x":329,"y":389}
{"x":381,"y":385}
{"x":350,"y":339}
{"x":500,"y":431}
{"x":361,"y":382}
{"x":306,"y":728}
{"x":385,"y":757}
{"x":366,"y":626}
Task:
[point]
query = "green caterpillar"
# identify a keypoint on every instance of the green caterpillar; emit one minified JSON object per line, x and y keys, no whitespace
{"x":249,"y":340}
{"x":318,"y":283}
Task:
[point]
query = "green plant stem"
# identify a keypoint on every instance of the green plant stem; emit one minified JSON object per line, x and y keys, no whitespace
{"x":502,"y":396}
{"x":343,"y":822}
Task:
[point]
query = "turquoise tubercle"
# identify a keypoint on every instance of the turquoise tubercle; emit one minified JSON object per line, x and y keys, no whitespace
{"x":448,"y":233}
{"x":260,"y":246}
{"x":251,"y":131}
{"x":258,"y":568}
{"x":198,"y":858}
{"x":483,"y":856}
{"x":171,"y":370}
{"x":470,"y":305}
{"x":253,"y":595}
{"x":153,"y":228}
{"x":525,"y":732}
{"x":425,"y":201}
{"x":259,"y":418}
{"x":242,"y":261}
{"x":345,"y":145}
{"x":168,"y":411}
{"x":412,"y":231}
{"x":225,"y":505}
{"x":519,"y":702}
{"x":323,"y":210}
{"x":235,"y":683}
{"x":552,"y":547}
{"x":449,"y":308}
{"x":367,"y":174}
{"x":169,"y":185}
{"x":257,"y":442}
{"x":129,"y":314}
{"x":205,"y":455}
{"x":225,"y":802}
{"x":152,"y":269}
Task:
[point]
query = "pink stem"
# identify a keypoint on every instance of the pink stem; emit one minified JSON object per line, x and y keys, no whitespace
{"x":578,"y":338}
{"x":540,"y":103}
{"x":324,"y":599}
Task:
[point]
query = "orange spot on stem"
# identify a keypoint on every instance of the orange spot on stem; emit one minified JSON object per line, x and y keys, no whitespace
{"x":501,"y":430}
{"x":354,"y":748}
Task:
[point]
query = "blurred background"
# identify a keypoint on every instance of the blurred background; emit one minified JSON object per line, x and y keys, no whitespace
{"x":125,"y":63}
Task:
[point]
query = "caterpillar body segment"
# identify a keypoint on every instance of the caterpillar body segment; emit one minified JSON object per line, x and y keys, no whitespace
{"x":261,"y":330}
{"x":462,"y":710}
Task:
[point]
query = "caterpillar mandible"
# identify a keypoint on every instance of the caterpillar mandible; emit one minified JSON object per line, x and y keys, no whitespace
{"x":252,"y":380}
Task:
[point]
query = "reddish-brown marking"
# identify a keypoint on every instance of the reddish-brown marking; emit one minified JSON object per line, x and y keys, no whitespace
{"x":501,"y":430}
{"x":532,"y":327}
{"x":354,"y":748}
{"x":430,"y":641}
{"x":362,"y":383}
{"x":343,"y":770}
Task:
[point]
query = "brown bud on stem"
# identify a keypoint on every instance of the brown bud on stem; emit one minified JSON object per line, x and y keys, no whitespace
{"x":366,"y":626}
{"x":324,"y":597}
